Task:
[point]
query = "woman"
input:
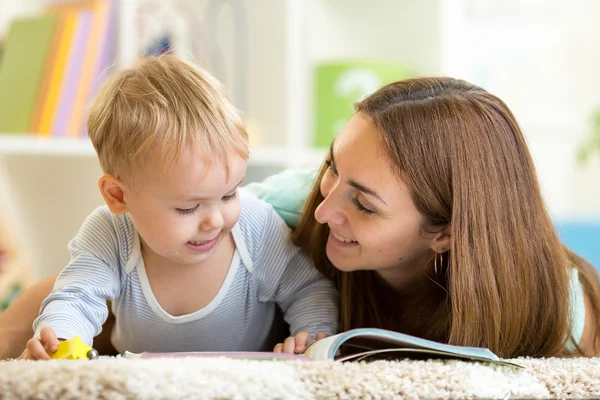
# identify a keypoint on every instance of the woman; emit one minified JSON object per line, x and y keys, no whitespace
{"x":429,"y":218}
{"x":433,"y":224}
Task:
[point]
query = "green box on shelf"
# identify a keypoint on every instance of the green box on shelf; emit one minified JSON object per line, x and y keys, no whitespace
{"x":340,"y":84}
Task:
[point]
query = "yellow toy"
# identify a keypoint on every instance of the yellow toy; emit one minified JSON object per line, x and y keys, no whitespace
{"x":74,"y":349}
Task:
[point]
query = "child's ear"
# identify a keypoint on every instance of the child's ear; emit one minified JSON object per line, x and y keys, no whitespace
{"x":442,"y":240}
{"x":111,"y":189}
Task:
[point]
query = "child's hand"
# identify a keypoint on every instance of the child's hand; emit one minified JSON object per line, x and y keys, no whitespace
{"x":36,"y":348}
{"x":297,"y":344}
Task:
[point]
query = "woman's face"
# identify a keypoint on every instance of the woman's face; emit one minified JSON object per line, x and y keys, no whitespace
{"x":372,"y":219}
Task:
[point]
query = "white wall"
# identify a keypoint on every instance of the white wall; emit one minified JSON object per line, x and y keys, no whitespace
{"x":542,"y":58}
{"x":50,"y":197}
{"x":401,"y":30}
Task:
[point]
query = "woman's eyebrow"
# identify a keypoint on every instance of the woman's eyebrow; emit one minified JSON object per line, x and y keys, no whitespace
{"x":353,"y":183}
{"x":365,"y":190}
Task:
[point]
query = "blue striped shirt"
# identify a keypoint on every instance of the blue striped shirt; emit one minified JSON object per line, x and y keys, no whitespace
{"x":268,"y":278}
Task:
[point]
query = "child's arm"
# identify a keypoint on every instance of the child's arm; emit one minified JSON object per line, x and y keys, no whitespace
{"x":37,"y":347}
{"x":77,"y":305}
{"x":308,"y":300}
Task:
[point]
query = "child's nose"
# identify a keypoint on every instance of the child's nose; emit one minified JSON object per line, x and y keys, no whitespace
{"x":212,"y":222}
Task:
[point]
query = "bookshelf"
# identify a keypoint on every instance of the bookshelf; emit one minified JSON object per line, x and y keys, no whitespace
{"x":491,"y":43}
{"x":52,"y":181}
{"x":29,"y":145}
{"x":284,"y":40}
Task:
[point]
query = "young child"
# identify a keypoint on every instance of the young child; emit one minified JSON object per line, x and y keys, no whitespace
{"x":190,"y":262}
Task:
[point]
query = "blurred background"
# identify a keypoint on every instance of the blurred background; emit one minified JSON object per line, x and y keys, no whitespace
{"x":294,"y":68}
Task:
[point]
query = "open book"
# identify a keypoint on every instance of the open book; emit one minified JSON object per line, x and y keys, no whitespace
{"x":246,"y":355}
{"x":371,"y":343}
{"x":362,"y":344}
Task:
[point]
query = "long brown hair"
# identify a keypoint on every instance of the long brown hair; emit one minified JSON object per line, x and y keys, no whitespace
{"x":466,"y":162}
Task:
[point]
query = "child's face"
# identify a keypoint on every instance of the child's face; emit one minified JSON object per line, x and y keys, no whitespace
{"x":183,"y":214}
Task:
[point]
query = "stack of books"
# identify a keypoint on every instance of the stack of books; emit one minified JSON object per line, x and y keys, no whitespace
{"x":52,"y":64}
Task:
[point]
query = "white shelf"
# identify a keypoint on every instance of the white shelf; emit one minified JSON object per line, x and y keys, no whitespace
{"x":12,"y":144}
{"x":286,"y":157}
{"x":25,"y":145}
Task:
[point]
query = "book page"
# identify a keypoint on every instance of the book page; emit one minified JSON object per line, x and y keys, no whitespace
{"x":416,"y":354}
{"x":323,"y":349}
{"x":371,"y":341}
{"x":375,"y":339}
{"x":246,"y":355}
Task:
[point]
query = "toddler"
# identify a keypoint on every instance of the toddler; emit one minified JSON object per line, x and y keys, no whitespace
{"x":189,"y":261}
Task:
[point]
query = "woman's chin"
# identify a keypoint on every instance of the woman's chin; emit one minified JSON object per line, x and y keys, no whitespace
{"x":340,"y":261}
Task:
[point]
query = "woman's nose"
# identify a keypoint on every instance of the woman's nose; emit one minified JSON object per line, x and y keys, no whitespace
{"x":329,"y":212}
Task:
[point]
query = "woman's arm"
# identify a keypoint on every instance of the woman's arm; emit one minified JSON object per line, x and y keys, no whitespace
{"x":17,"y":320}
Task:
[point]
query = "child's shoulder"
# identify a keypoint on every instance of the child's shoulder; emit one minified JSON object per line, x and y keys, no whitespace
{"x":258,"y":217}
{"x":101,"y":223}
{"x":254,"y":211}
{"x":101,"y":215}
{"x":107,"y":236}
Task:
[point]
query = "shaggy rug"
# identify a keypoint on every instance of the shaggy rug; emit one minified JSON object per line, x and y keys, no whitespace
{"x":201,"y":378}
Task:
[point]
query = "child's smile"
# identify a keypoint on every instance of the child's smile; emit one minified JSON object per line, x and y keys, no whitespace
{"x":183,"y":212}
{"x":203,"y":246}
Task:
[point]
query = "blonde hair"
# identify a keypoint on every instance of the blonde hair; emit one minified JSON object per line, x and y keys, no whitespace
{"x":158,"y":108}
{"x":506,"y":275}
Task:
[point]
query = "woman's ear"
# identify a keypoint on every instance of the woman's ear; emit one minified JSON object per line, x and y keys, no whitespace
{"x":111,"y":189}
{"x":442,"y":240}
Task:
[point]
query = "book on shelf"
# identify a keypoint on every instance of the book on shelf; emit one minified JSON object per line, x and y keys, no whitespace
{"x":22,"y":70}
{"x":363,"y":344}
{"x":53,"y":64}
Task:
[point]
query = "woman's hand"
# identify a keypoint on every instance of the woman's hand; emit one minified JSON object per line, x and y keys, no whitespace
{"x":297,"y":344}
{"x":37,"y":348}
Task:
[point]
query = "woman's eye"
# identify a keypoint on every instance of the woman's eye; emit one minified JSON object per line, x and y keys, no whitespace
{"x":187,"y":211}
{"x":362,"y":208}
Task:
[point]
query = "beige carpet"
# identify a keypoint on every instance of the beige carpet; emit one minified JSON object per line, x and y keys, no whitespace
{"x":240,"y":379}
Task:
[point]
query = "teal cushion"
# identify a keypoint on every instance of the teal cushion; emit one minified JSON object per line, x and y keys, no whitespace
{"x":286,"y":192}
{"x":582,"y":237}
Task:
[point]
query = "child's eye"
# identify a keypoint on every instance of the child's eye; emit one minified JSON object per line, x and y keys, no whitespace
{"x":229,"y":197}
{"x":187,"y":211}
